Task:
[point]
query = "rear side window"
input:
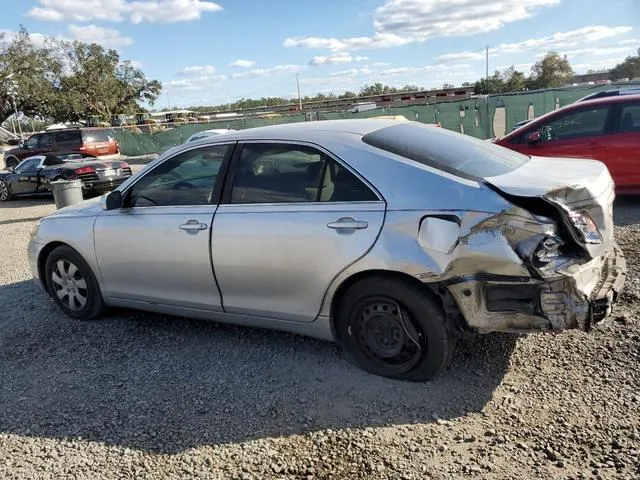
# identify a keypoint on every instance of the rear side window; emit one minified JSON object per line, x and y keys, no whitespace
{"x":95,"y":136}
{"x":629,"y":121}
{"x":450,"y":152}
{"x":68,"y":139}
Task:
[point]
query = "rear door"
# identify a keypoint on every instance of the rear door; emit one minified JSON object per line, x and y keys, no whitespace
{"x":623,"y":150}
{"x":68,"y":140}
{"x":292,"y":218}
{"x":577,"y":133}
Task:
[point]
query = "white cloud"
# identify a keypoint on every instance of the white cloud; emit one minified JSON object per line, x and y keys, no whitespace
{"x":353,"y":72}
{"x":337,"y":58}
{"x":596,"y":51}
{"x":630,"y":41}
{"x":137,"y":11}
{"x":399,"y":22}
{"x":439,"y":68}
{"x":240,"y":63}
{"x":197,"y":71}
{"x":598,"y":64}
{"x":136,"y":63}
{"x":268,"y":72}
{"x":107,"y":37}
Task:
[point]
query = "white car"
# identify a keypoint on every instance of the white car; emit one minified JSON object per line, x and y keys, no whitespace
{"x":208,"y":133}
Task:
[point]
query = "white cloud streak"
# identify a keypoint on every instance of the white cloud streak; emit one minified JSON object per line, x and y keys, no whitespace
{"x":240,"y":63}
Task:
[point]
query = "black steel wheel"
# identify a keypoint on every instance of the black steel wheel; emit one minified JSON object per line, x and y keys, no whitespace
{"x":393,"y":328}
{"x":72,"y":284}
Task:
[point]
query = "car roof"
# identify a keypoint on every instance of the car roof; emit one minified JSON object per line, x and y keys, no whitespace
{"x":303,"y":130}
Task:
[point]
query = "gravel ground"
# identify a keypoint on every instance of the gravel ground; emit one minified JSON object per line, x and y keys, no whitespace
{"x":136,"y":395}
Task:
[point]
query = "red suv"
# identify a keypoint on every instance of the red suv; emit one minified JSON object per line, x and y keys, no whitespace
{"x":93,"y":141}
{"x":605,"y":129}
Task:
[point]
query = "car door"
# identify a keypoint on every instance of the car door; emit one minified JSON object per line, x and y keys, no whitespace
{"x":25,"y":179}
{"x":623,"y":150}
{"x":156,"y":247}
{"x":291,"y":219}
{"x":578,"y":133}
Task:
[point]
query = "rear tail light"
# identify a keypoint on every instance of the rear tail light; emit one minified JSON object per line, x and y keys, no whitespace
{"x":585,"y":226}
{"x":82,"y":170}
{"x":124,"y":165}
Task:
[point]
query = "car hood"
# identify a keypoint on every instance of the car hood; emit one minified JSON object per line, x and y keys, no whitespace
{"x":86,"y":208}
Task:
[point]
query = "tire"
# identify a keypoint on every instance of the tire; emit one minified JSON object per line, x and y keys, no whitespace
{"x":409,"y":343}
{"x":84,"y":300}
{"x":5,"y":192}
{"x":11,"y":162}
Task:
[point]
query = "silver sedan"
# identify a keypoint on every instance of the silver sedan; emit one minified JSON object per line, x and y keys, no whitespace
{"x":391,"y":238}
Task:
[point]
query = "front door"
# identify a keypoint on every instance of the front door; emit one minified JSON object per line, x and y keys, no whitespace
{"x":156,"y":248}
{"x":26,"y":176}
{"x":623,"y":152}
{"x":292,"y":219}
{"x":580,"y":133}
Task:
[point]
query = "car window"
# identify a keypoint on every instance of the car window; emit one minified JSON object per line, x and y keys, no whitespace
{"x":447,"y":151}
{"x":68,"y":139}
{"x":45,"y":141}
{"x":629,"y":121}
{"x":285,"y":173}
{"x":28,"y":164}
{"x":588,"y":122}
{"x":186,"y":179}
{"x":95,"y":136}
{"x":32,"y":141}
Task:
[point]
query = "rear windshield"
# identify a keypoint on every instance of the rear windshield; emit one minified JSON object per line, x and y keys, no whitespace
{"x":454,"y":153}
{"x":95,"y":136}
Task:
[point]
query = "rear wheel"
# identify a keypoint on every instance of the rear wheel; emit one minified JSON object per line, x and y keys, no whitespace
{"x":5,"y":193}
{"x":392,"y":328}
{"x":72,"y":284}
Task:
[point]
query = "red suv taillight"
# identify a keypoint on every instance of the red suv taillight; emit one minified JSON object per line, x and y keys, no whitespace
{"x":82,"y":170}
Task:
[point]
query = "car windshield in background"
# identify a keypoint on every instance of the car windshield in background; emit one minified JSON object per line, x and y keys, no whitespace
{"x":95,"y":136}
{"x":450,"y":152}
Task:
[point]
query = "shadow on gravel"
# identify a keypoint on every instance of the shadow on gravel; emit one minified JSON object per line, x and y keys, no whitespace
{"x":163,"y":384}
{"x":30,"y":201}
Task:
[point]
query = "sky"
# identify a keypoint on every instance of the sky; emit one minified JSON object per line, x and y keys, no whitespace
{"x":214,"y":52}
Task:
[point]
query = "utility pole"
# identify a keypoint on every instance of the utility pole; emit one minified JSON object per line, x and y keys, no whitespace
{"x":12,"y":91}
{"x":486,"y":91}
{"x":299,"y":97}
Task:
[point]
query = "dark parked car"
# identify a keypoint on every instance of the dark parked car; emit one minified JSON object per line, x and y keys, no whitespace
{"x":34,"y":174}
{"x":92,"y":141}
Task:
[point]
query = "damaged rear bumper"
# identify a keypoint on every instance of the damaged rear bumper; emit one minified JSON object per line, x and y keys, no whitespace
{"x":578,"y":298}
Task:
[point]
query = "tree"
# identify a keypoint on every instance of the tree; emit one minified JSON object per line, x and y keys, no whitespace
{"x":33,"y":71}
{"x":447,"y":85}
{"x":376,"y":89}
{"x":100,"y":84}
{"x":551,"y":71}
{"x":630,"y":68}
{"x":493,"y":84}
{"x":514,"y":81}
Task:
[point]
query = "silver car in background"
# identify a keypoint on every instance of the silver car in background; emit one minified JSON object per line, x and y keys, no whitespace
{"x":390,"y":238}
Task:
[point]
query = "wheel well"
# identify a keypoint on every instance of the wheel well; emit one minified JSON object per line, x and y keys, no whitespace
{"x":10,"y":157}
{"x":455,"y":321}
{"x":42,"y":261}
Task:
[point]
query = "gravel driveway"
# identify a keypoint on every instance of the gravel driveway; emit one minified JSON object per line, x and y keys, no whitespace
{"x":136,"y":395}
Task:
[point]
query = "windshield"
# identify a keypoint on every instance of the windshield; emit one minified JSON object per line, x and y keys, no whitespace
{"x":451,"y":152}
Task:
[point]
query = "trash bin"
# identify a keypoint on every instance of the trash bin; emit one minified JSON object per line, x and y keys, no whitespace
{"x":67,"y":192}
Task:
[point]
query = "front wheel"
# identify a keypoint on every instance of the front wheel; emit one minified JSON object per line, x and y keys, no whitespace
{"x":72,"y":284}
{"x":393,"y":328}
{"x":11,"y":162}
{"x":5,"y":193}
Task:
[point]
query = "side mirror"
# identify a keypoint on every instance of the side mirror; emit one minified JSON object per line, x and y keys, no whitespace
{"x":113,"y":200}
{"x":533,"y":137}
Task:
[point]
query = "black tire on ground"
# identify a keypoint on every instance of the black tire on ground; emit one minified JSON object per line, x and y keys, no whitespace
{"x":11,"y":162}
{"x":372,"y":329}
{"x":75,"y":291}
{"x":5,"y":192}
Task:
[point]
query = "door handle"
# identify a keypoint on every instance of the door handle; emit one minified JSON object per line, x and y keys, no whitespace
{"x":193,"y":226}
{"x":347,"y":223}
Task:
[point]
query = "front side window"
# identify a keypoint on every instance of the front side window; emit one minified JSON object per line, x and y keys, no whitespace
{"x":186,"y":179}
{"x":29,"y":164}
{"x":286,"y":173}
{"x":629,"y":121}
{"x":589,"y":122}
{"x":32,"y":141}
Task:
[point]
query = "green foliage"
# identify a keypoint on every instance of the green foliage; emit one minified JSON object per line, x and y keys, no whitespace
{"x":629,"y":68}
{"x":69,"y":81}
{"x":551,"y":71}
